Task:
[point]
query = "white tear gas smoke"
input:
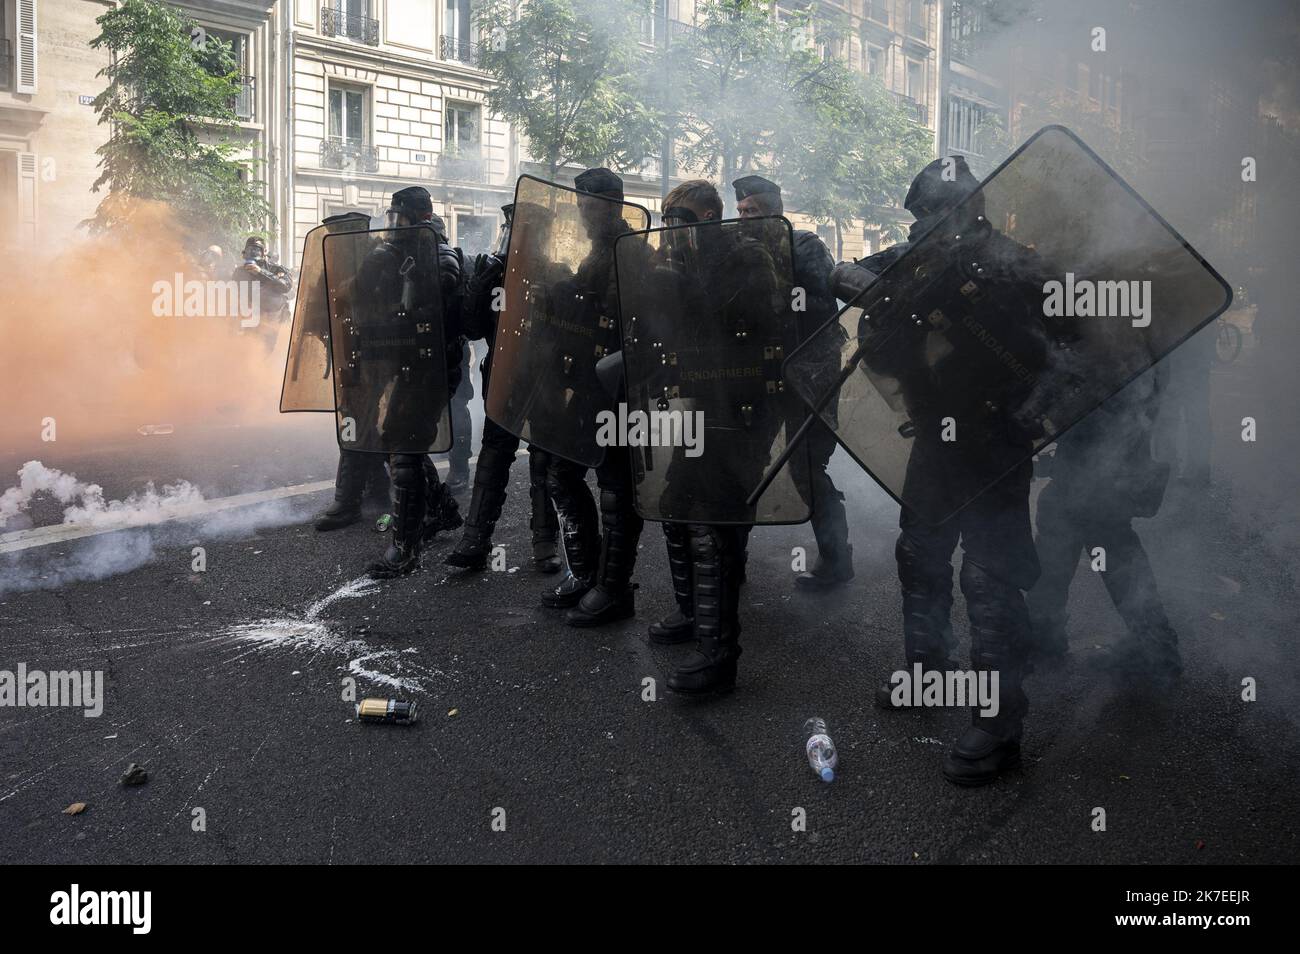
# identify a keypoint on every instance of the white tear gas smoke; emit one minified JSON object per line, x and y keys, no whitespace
{"x":138,"y":526}
{"x":88,"y":506}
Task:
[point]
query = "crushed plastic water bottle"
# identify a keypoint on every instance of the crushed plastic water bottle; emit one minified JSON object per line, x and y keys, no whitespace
{"x":820,"y":748}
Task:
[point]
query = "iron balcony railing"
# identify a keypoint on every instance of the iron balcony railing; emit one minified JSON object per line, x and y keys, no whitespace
{"x":351,"y":26}
{"x":349,"y":155}
{"x":657,"y":30}
{"x":462,"y":166}
{"x":920,"y":111}
{"x":454,"y":48}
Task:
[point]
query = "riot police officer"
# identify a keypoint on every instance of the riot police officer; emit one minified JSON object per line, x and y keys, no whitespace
{"x":422,"y":506}
{"x":499,"y":446}
{"x":999,"y":561}
{"x":1102,"y":476}
{"x":757,"y":196}
{"x":360,"y":476}
{"x":601,"y":551}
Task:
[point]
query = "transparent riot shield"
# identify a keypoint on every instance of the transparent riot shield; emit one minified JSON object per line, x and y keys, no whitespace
{"x":307,"y":385}
{"x":708,"y":318}
{"x":1040,"y":296}
{"x":559,"y":317}
{"x":387,"y":341}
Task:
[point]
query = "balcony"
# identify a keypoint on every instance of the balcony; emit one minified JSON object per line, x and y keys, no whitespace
{"x":334,"y":22}
{"x":657,"y":30}
{"x":348,"y":155}
{"x":242,"y":102}
{"x":920,"y":112}
{"x":6,"y":64}
{"x":464,"y":166}
{"x":454,"y":48}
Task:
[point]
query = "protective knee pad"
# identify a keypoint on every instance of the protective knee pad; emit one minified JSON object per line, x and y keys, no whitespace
{"x":677,"y":540}
{"x":999,"y":620}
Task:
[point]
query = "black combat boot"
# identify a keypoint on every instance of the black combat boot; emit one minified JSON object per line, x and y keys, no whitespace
{"x":679,"y":625}
{"x":543,"y":522}
{"x":833,"y":567}
{"x":442,"y":512}
{"x":711,"y":667}
{"x":830,"y":525}
{"x":349,"y":484}
{"x":458,"y":463}
{"x":410,"y":498}
{"x":1000,"y":637}
{"x":884,"y":697}
{"x":613,"y":596}
{"x":927,"y":611}
{"x":580,"y":535}
{"x":991,"y":746}
{"x":378,"y":497}
{"x":491,"y":477}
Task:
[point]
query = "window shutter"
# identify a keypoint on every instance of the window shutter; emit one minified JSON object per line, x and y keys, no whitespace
{"x":26,"y":58}
{"x":27,"y":196}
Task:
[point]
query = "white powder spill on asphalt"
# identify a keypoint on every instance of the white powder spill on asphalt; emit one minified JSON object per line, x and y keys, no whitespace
{"x":390,"y":668}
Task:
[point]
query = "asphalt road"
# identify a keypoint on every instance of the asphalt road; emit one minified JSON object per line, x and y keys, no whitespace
{"x":227,"y":686}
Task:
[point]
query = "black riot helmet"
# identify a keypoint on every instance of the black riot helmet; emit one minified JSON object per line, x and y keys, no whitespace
{"x":412,"y":204}
{"x":938,"y":188}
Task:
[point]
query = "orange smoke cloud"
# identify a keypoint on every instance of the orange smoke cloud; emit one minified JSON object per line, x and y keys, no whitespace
{"x":80,"y":342}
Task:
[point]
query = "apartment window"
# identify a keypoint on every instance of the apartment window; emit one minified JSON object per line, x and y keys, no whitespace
{"x":915,"y":82}
{"x":965,"y":20}
{"x":874,"y":61}
{"x":460,"y":130}
{"x":916,"y":19}
{"x":240,"y":45}
{"x":878,"y":10}
{"x":964,"y":120}
{"x":18,"y":45}
{"x":347,"y":114}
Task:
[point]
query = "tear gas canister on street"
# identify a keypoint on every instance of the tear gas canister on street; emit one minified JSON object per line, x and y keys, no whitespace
{"x":388,"y":711}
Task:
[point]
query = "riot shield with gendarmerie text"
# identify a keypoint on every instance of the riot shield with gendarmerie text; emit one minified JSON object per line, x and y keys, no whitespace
{"x":1039,"y":296}
{"x":708,"y":318}
{"x":386,"y":332}
{"x":559,"y":317}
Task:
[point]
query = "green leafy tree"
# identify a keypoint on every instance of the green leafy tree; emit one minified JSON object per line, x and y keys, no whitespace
{"x":849,"y":153}
{"x":572,"y":76}
{"x":169,"y":85}
{"x":752,"y":93}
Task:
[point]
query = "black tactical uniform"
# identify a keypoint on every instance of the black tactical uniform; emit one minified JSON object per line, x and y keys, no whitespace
{"x":499,"y":446}
{"x":707,"y":561}
{"x":999,"y":561}
{"x":1102,"y":477}
{"x":812,"y":270}
{"x":421,"y":504}
{"x":601,"y":551}
{"x":361,"y":477}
